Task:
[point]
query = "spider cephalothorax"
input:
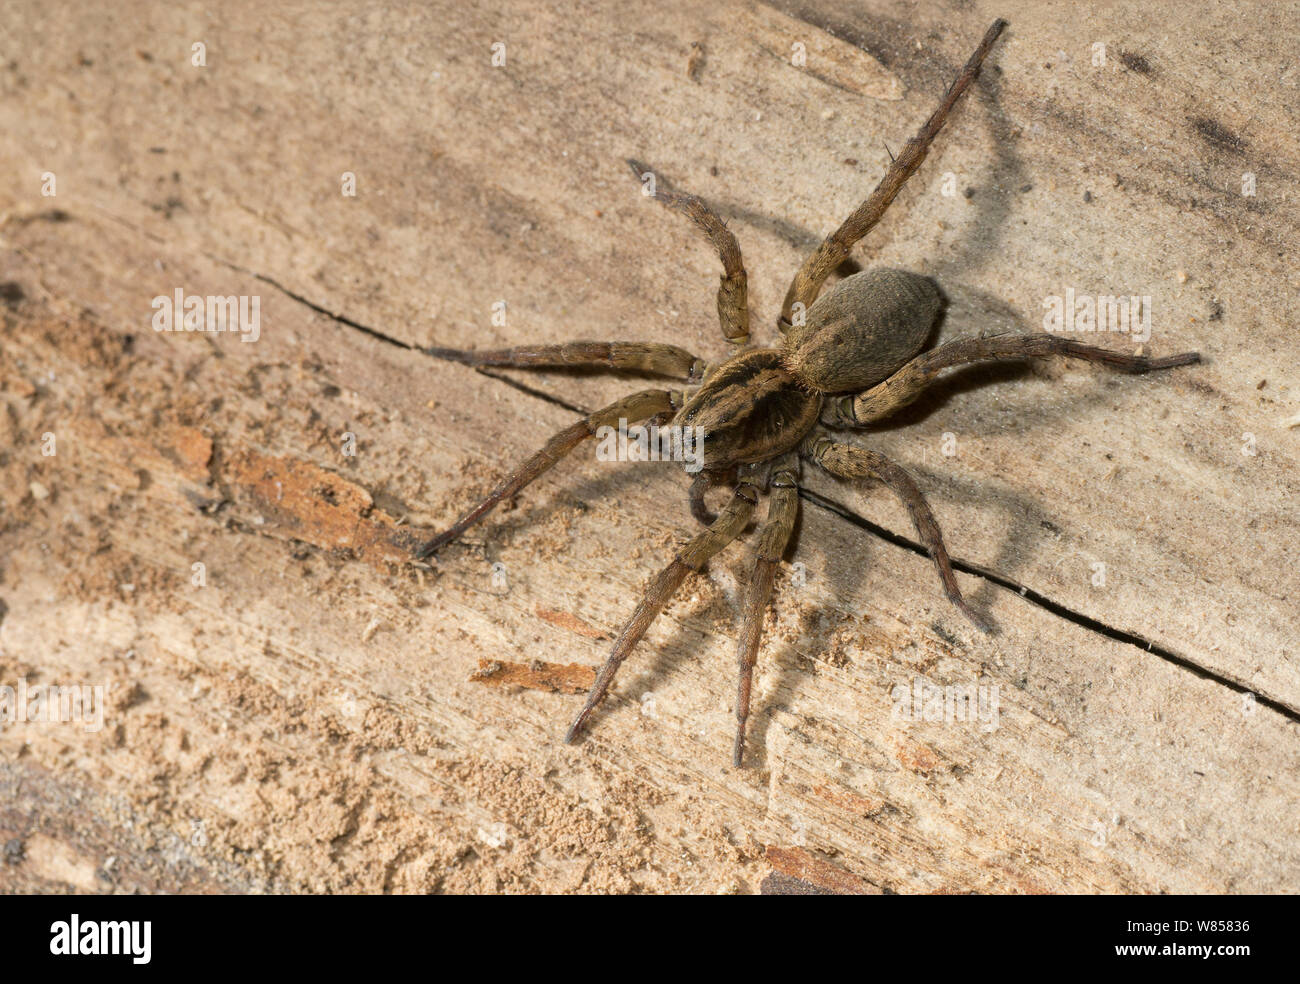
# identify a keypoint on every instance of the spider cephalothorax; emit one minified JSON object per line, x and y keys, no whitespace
{"x":751,"y":408}
{"x":848,"y":358}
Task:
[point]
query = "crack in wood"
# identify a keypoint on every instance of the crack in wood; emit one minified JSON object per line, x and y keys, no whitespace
{"x":1036,"y":598}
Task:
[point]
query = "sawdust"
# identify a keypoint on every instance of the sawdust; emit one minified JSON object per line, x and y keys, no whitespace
{"x":279,"y":789}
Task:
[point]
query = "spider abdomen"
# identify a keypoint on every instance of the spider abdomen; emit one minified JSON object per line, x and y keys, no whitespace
{"x":750,"y":409}
{"x":863,"y":330}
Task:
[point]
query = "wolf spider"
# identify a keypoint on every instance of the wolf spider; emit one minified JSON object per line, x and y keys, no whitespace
{"x":849,"y":358}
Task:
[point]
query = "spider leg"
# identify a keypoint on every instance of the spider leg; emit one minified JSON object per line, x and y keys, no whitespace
{"x":909,"y":382}
{"x":704,"y":481}
{"x":846,"y":461}
{"x":773,"y":535}
{"x":733,"y":292}
{"x":636,"y":407}
{"x":835,"y":249}
{"x":733,"y":518}
{"x":647,"y":357}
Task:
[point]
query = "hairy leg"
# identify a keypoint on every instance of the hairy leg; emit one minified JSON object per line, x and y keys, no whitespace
{"x":699,"y":509}
{"x":729,"y":524}
{"x":911,"y":381}
{"x":845,"y":461}
{"x":700,"y":486}
{"x":773,"y":535}
{"x":835,"y":249}
{"x":733,"y":293}
{"x":648,"y":357}
{"x":636,"y":407}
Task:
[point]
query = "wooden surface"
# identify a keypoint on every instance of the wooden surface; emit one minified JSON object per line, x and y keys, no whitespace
{"x":321,"y":716}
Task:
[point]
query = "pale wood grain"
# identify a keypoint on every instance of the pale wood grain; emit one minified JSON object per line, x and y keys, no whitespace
{"x":313,"y":706}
